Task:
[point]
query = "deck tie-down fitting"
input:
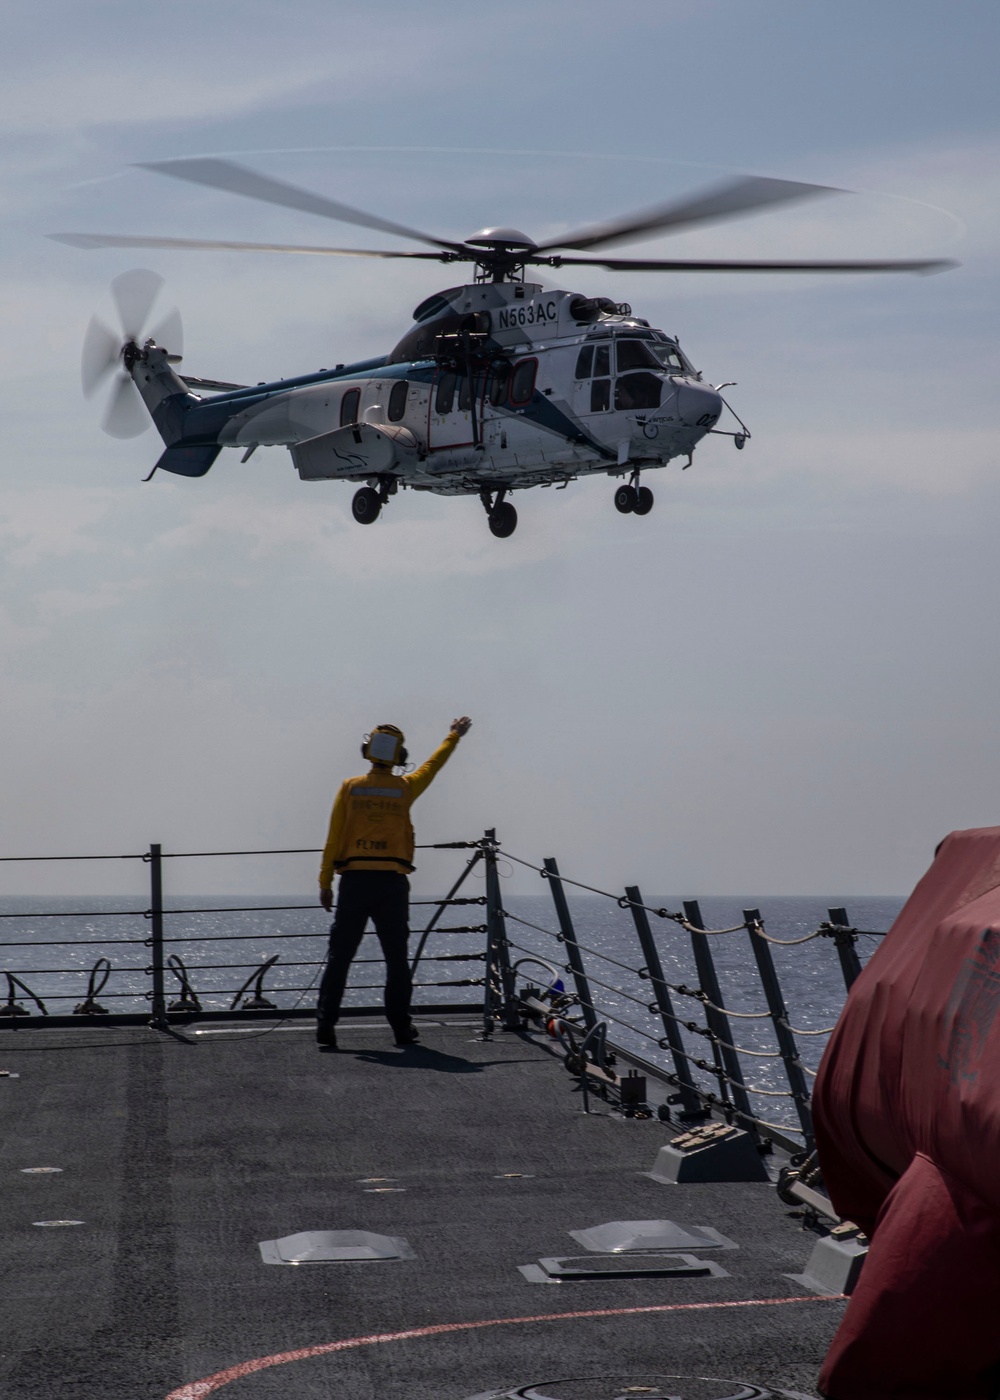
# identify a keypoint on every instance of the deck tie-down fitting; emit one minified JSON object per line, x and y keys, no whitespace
{"x":188,"y":999}
{"x":14,"y":1008}
{"x":90,"y":1005}
{"x":258,"y":1001}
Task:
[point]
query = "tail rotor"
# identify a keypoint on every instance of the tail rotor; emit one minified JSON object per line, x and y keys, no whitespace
{"x":106,"y":352}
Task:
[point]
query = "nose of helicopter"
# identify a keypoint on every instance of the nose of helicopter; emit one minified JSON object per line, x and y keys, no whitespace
{"x":699,"y":406}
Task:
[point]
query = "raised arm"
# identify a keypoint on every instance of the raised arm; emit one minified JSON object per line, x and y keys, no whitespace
{"x":421,"y":779}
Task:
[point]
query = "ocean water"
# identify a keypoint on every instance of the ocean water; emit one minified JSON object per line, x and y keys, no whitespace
{"x":53,"y":944}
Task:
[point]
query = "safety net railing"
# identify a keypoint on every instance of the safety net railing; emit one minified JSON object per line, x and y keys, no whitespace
{"x":159,"y":960}
{"x":732,"y":1019}
{"x":703,"y":1008}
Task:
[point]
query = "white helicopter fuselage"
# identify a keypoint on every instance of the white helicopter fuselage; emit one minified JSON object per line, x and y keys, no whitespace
{"x":565,"y":387}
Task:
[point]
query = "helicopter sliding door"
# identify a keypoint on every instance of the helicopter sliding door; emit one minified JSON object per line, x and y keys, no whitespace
{"x":450,"y":417}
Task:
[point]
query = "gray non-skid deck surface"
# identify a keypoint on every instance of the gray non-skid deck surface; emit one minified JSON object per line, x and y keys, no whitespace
{"x":179,"y":1158}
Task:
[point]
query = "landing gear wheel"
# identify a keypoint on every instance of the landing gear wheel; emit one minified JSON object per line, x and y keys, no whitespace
{"x":625,"y":499}
{"x":503,"y":520}
{"x":643,"y":501}
{"x":366,"y":505}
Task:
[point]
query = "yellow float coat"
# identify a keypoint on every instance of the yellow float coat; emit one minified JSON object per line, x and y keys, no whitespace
{"x":370,"y":827}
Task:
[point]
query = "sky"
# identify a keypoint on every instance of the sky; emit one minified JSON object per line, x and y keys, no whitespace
{"x":781,"y":681}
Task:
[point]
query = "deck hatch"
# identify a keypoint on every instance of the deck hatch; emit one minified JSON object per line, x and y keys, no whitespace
{"x":626,"y":1236}
{"x":635,"y":1266}
{"x":578,"y":1268}
{"x":334,"y":1247}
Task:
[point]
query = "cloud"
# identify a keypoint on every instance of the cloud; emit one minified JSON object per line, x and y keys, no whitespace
{"x":58,"y":604}
{"x":93,"y":70}
{"x":933,"y":462}
{"x":52,"y":523}
{"x":456,"y":542}
{"x":13,"y":635}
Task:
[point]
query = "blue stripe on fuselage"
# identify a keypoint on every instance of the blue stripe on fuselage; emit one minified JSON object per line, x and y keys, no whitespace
{"x":364,"y":369}
{"x":203,"y":421}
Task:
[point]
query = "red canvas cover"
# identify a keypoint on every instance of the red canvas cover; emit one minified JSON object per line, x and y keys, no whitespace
{"x":913,"y":1067}
{"x":922,"y":1321}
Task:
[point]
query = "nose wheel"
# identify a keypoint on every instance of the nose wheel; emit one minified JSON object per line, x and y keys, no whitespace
{"x":500,"y":514}
{"x":634,"y":499}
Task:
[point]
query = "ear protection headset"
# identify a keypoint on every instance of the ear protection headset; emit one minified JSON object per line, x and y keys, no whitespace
{"x":385,"y":745}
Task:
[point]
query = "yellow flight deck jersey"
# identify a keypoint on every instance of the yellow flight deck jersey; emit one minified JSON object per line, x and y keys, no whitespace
{"x":370,"y":827}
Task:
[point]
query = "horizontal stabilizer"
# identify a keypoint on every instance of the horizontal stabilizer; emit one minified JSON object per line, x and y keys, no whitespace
{"x":354,"y":452}
{"x":212,"y":386}
{"x":189,"y":461}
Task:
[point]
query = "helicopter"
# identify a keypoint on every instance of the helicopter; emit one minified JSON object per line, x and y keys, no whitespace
{"x":501,"y":383}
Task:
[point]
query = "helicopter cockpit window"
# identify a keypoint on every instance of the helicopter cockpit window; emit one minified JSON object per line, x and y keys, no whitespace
{"x":602,"y":360}
{"x":636,"y":354}
{"x":397,"y":400}
{"x":349,"y":405}
{"x":445,"y":398}
{"x":522,"y":381}
{"x":637,"y":391}
{"x":669,"y":357}
{"x":584,"y":362}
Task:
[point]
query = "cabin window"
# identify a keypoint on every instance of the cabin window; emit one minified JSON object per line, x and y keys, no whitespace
{"x":638,"y":391}
{"x":522,"y":381}
{"x":465,"y":386}
{"x":499,"y":375}
{"x":397,"y":400}
{"x":584,"y":362}
{"x":602,"y":360}
{"x":349,"y":406}
{"x":444,"y":399}
{"x":635,"y":354}
{"x":600,"y":395}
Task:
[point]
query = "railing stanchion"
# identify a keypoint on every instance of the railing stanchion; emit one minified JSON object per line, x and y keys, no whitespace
{"x":499,"y":999}
{"x":850,"y":963}
{"x":692,"y":1105}
{"x":779,"y":1017}
{"x":572,"y":947}
{"x":727,"y":1059}
{"x":159,"y":1017}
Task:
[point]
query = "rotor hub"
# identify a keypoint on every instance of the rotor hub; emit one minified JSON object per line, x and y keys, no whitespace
{"x":502,"y":240}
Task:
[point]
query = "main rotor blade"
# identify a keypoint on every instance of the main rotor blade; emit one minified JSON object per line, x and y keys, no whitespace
{"x":237,"y":179}
{"x":126,"y":240}
{"x":101,"y":349}
{"x":658,"y":265}
{"x":134,"y":293}
{"x":125,"y":416}
{"x":725,"y":202}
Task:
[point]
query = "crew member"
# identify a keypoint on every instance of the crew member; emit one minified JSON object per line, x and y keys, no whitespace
{"x":370,"y":846}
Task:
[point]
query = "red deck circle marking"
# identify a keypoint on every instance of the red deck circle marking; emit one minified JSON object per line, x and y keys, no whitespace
{"x":195,"y":1390}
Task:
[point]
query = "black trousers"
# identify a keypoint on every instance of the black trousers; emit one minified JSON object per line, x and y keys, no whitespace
{"x":384,"y":897}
